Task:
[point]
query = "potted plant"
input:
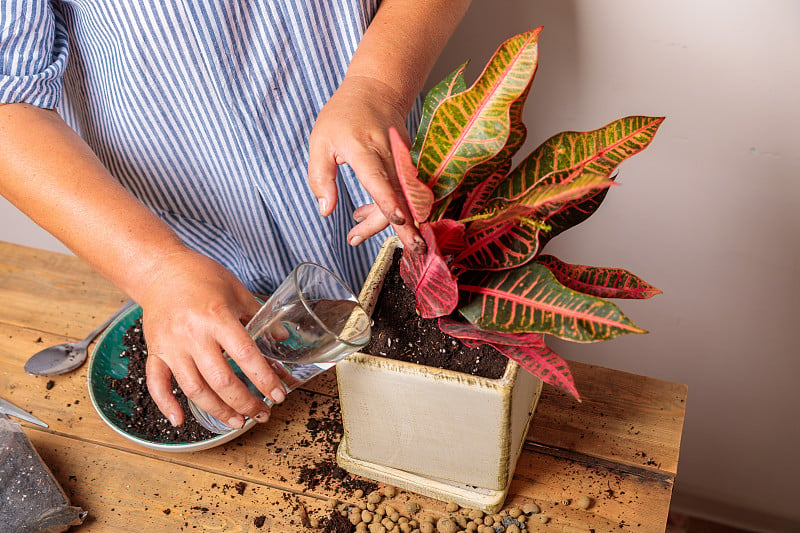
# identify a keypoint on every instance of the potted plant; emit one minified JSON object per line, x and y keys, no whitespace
{"x":485,"y":281}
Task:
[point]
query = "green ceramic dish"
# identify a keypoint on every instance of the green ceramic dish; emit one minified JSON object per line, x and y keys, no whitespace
{"x":106,"y":361}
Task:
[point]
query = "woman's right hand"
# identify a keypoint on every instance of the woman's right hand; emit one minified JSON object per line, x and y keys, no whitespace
{"x":193,"y":310}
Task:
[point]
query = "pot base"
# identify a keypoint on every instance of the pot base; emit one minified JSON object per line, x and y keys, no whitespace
{"x":486,"y":500}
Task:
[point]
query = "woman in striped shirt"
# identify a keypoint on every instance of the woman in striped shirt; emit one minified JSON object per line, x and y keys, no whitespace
{"x":186,"y":150}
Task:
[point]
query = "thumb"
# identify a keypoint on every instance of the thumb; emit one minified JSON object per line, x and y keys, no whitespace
{"x":322,"y":178}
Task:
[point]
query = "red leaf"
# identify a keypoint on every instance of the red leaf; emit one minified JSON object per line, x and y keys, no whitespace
{"x":429,"y":277}
{"x":418,"y":195}
{"x":598,"y":281}
{"x":499,"y":248}
{"x":529,"y":299}
{"x":482,"y":191}
{"x":527,"y":349}
{"x":449,"y":235}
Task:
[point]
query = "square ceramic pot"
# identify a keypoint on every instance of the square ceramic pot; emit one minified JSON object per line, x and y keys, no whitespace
{"x":445,"y":434}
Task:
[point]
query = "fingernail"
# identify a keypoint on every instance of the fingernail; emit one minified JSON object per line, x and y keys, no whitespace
{"x":398,"y":217}
{"x":173,"y":419}
{"x":277,"y":395}
{"x":355,"y":241}
{"x":261,"y":417}
{"x":236,"y":422}
{"x":323,"y":206}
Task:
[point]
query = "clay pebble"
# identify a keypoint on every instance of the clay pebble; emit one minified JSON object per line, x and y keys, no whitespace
{"x":531,"y":508}
{"x":583,"y":502}
{"x":446,"y":525}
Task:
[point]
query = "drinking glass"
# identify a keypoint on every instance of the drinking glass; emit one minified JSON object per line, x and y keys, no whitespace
{"x":311,"y":322}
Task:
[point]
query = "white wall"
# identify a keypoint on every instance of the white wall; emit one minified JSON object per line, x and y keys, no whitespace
{"x":708,"y":213}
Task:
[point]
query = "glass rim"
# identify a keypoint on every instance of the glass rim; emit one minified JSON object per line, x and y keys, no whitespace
{"x":311,"y":312}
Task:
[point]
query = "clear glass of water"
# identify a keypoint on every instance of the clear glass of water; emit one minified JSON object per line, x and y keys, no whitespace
{"x":311,"y":322}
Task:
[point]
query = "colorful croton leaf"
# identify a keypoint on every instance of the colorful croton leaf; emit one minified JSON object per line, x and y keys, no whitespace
{"x":598,"y":281}
{"x":527,"y":349}
{"x":470,"y":127}
{"x":485,"y":223}
{"x":430,"y":278}
{"x":530,"y":299}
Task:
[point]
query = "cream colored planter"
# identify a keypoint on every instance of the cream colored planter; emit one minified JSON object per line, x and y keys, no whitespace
{"x":440,"y":433}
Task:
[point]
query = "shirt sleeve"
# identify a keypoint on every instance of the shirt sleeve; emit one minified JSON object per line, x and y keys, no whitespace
{"x":33,"y":52}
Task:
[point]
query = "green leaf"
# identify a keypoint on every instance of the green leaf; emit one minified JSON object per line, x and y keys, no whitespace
{"x":567,"y":153}
{"x":515,"y":225}
{"x":572,"y":215}
{"x":529,"y":299}
{"x":603,"y":282}
{"x":473,"y":126}
{"x":540,"y":202}
{"x":454,"y":83}
{"x":527,"y":349}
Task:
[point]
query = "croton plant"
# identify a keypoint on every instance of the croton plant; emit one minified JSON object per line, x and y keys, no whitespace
{"x":485,"y":224}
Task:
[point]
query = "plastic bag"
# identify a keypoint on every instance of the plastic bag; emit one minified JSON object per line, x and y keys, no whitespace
{"x":31,"y":500}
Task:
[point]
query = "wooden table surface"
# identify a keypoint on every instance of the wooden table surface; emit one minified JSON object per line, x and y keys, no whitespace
{"x":619,"y":446}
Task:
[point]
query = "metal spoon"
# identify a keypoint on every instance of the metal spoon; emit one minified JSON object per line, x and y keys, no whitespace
{"x":66,"y":357}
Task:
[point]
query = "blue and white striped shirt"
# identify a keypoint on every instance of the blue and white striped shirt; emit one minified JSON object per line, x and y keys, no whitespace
{"x":203,"y":111}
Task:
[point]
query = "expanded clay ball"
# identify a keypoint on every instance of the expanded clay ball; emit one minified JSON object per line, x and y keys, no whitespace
{"x":583,"y":502}
{"x":412,"y":508}
{"x":374,"y":497}
{"x":475,"y":514}
{"x":452,"y":507}
{"x":446,"y":525}
{"x":427,"y":527}
{"x":531,"y":508}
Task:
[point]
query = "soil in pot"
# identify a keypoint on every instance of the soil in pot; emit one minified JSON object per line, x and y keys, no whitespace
{"x":400,"y":333}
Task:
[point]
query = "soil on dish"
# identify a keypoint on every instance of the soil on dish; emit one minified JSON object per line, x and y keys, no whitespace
{"x":145,"y":420}
{"x":400,"y":333}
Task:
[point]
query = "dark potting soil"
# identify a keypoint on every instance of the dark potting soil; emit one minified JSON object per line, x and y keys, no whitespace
{"x":145,"y":419}
{"x":336,"y":523}
{"x":324,"y":430}
{"x":400,"y":333}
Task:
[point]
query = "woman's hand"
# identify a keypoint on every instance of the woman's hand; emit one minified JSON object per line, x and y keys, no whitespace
{"x":193,"y":310}
{"x":353,"y":128}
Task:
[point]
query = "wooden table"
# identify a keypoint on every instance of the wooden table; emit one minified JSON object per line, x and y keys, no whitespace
{"x":619,"y":446}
